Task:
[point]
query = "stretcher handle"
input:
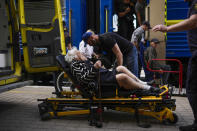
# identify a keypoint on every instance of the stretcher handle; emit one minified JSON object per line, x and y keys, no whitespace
{"x":166,"y":90}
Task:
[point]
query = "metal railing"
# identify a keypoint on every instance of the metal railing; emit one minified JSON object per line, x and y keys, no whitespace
{"x":180,"y":71}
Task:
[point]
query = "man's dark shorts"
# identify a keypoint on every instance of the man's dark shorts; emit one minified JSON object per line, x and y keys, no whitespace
{"x":108,"y":77}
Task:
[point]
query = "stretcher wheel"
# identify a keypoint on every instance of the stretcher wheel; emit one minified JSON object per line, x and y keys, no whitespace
{"x":46,"y":116}
{"x":43,"y":108}
{"x":99,"y":124}
{"x":175,"y":119}
{"x":96,"y":123}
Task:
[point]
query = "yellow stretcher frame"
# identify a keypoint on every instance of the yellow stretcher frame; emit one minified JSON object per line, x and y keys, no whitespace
{"x":147,"y":105}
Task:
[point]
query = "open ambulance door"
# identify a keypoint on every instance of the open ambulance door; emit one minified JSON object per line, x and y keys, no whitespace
{"x":42,"y":34}
{"x":10,"y":57}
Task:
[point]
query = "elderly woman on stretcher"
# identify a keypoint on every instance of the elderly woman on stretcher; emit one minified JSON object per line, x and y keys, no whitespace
{"x":85,"y":71}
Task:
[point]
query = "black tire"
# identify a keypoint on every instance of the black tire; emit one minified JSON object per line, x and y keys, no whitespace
{"x":175,"y":119}
{"x":99,"y":124}
{"x":42,"y":107}
{"x":46,"y":116}
{"x":62,"y":82}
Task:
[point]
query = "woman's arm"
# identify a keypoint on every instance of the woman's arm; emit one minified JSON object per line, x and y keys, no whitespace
{"x":80,"y":56}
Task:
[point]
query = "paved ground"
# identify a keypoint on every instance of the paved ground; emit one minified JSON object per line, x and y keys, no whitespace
{"x":19,"y":112}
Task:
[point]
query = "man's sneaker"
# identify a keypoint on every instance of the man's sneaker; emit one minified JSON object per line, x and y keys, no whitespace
{"x":192,"y":127}
{"x":155,"y":89}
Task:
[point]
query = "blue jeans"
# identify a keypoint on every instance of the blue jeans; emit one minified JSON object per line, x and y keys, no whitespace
{"x":130,"y":60}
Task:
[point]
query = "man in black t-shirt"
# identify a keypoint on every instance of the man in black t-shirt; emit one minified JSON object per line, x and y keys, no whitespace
{"x":125,"y":9}
{"x":115,"y":45}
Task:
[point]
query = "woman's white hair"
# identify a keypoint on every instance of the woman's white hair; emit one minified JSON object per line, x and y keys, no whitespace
{"x":71,"y":54}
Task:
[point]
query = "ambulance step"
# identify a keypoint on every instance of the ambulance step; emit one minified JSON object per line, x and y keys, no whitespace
{"x":8,"y":77}
{"x":15,"y":85}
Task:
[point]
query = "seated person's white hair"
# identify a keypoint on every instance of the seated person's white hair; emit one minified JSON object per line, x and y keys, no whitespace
{"x":71,"y":54}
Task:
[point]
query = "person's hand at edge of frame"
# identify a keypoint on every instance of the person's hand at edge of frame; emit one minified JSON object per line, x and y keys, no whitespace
{"x":161,"y":28}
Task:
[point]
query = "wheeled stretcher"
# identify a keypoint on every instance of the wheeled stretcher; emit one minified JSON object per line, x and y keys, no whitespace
{"x":96,"y":97}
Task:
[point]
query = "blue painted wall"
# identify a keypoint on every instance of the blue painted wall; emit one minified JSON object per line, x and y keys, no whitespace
{"x":176,"y":44}
{"x":176,"y":9}
{"x":78,"y":19}
{"x":106,"y":5}
{"x":79,"y":25}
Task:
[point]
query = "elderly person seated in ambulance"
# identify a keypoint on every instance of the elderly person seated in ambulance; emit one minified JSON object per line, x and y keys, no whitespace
{"x":85,"y":71}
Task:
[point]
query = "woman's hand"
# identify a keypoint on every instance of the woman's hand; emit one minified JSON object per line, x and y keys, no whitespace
{"x":98,"y":64}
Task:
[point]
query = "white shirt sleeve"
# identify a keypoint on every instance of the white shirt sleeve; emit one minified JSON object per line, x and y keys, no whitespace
{"x":81,"y":47}
{"x":87,"y":51}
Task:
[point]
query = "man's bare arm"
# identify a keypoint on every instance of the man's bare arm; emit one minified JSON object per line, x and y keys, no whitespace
{"x":118,"y":53}
{"x":139,"y":18}
{"x":187,"y":24}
